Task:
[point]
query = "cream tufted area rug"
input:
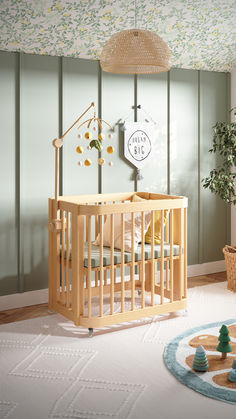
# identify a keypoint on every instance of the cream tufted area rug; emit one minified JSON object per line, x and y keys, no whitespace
{"x":51,"y":369}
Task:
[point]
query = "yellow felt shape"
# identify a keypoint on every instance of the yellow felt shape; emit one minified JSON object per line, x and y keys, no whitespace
{"x":157,"y":223}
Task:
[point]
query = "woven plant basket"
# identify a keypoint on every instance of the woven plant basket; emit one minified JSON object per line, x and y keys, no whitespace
{"x":230,"y":260}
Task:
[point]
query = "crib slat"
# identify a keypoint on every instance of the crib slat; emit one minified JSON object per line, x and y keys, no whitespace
{"x":162,"y":257}
{"x":143,"y":261}
{"x":112,"y":263}
{"x":171,"y":257}
{"x":51,"y":260}
{"x":122,"y":264}
{"x":63,"y":258}
{"x":81,"y":263}
{"x":152,"y":258}
{"x":75,"y":265}
{"x":181,"y":261}
{"x":101,"y":264}
{"x":132,"y":261}
{"x":96,"y":223}
{"x":105,"y":272}
{"x":68,"y":259}
{"x":167,"y":228}
{"x":89,"y":266}
{"x":185,"y":253}
{"x":86,"y":226}
{"x":167,"y":276}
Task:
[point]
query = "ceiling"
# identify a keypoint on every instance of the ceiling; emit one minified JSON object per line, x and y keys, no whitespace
{"x":201,"y":34}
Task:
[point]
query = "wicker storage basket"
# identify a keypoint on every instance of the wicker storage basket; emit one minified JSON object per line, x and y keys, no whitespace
{"x":230,"y":260}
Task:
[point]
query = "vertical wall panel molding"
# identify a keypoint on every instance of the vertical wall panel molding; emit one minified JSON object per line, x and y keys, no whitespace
{"x":213,"y":105}
{"x":60,"y":119}
{"x":199,"y":167}
{"x":117,"y":102}
{"x":80,"y":89}
{"x":168,"y":132}
{"x":99,"y":116}
{"x":9,"y":138}
{"x":135,"y":120}
{"x":38,"y":127}
{"x":20,"y":278}
{"x":153,"y":98}
{"x":184,"y":148}
{"x":229,"y":115}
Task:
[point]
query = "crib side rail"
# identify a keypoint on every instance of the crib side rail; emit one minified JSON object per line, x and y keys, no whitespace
{"x":118,"y":208}
{"x":96,"y":198}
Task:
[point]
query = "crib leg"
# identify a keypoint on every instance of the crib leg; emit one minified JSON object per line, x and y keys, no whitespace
{"x":90,"y":330}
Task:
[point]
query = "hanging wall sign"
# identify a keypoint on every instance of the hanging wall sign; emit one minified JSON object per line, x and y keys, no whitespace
{"x":138,"y":143}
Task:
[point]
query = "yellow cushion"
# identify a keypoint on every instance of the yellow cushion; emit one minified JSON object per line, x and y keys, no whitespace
{"x":157,"y":228}
{"x":157,"y":223}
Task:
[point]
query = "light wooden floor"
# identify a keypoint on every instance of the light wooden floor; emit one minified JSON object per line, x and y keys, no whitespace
{"x":31,"y":312}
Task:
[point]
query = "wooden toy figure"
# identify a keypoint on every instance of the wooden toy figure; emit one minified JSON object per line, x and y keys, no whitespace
{"x":200,"y":362}
{"x":224,"y":339}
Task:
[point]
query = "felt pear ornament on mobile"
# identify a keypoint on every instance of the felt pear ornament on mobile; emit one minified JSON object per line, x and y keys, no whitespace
{"x":80,"y":149}
{"x":87,"y":162}
{"x":101,"y":136}
{"x":88,"y":135}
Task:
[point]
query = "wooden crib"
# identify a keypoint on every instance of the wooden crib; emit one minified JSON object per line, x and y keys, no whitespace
{"x":96,"y":286}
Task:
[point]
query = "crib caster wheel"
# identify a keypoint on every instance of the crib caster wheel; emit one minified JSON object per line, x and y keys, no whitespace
{"x":185,"y":312}
{"x":90,"y":330}
{"x":50,"y":311}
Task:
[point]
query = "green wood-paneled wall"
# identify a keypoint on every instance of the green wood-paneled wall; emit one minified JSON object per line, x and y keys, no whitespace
{"x":42,"y":96}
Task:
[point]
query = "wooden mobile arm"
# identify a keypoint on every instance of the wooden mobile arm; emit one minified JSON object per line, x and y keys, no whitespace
{"x":58,"y":143}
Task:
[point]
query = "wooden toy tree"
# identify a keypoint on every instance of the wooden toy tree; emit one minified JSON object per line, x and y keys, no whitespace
{"x":200,"y":362}
{"x":224,"y":339}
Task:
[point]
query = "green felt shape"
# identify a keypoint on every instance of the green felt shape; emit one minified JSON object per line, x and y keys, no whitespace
{"x":95,"y":144}
{"x":224,"y":339}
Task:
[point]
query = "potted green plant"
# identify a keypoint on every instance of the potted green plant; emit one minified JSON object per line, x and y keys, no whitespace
{"x":221,"y":181}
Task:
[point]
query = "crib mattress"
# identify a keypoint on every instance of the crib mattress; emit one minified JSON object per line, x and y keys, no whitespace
{"x":95,"y":254}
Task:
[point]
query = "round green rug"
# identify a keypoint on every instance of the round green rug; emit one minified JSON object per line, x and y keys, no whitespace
{"x":214,"y":383}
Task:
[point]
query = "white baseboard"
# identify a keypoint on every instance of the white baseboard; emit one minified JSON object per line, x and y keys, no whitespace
{"x":24,"y":299}
{"x":41,"y":296}
{"x":206,"y":268}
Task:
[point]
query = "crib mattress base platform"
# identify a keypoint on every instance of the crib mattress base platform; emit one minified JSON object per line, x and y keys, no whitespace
{"x":137,"y":314}
{"x":95,"y":254}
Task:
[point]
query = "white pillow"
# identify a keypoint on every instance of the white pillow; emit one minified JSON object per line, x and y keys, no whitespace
{"x":127,"y":230}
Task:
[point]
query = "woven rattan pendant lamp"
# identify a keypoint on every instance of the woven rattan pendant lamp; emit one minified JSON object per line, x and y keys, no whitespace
{"x":135,"y":51}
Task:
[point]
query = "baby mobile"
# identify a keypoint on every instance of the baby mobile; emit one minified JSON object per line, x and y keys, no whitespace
{"x":96,"y":125}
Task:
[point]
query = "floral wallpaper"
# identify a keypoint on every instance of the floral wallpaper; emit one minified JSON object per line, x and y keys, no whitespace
{"x":201,"y":34}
